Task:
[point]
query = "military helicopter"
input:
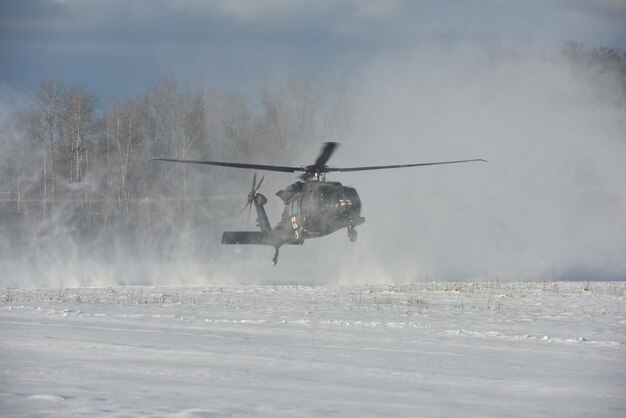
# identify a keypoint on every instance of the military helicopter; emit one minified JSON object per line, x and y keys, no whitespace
{"x":314,"y":207}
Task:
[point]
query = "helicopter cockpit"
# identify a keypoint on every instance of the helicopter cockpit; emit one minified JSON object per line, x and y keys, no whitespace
{"x":341,"y":199}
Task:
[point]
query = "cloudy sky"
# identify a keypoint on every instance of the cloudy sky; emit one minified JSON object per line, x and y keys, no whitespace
{"x":119,"y":47}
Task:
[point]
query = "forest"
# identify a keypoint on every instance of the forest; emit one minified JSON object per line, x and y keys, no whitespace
{"x":76,"y":179}
{"x":72,"y":164}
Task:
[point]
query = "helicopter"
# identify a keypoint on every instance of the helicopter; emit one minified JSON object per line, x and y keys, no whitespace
{"x":314,"y":207}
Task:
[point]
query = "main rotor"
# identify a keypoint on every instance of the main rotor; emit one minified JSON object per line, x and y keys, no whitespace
{"x":316,"y":171}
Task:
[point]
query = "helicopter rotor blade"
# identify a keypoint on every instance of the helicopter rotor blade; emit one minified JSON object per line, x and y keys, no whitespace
{"x":258,"y":186}
{"x":250,"y":198}
{"x":327,"y":152}
{"x":280,"y":168}
{"x":309,"y":171}
{"x":252,"y":195}
{"x":248,"y":204}
{"x":384,"y":167}
{"x":320,"y":163}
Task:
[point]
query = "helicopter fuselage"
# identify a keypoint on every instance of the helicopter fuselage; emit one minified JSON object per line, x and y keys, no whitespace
{"x":312,"y":209}
{"x":317,"y":208}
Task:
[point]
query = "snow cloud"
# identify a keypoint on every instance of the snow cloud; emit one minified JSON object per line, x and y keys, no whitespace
{"x":549,"y":204}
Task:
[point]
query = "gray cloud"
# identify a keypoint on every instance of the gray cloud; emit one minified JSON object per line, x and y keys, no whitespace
{"x":117,"y":47}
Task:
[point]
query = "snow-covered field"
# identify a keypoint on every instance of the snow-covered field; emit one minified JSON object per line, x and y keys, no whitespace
{"x":429,"y":349}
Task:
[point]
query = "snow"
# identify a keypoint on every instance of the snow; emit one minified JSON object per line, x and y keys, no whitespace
{"x":426,"y":349}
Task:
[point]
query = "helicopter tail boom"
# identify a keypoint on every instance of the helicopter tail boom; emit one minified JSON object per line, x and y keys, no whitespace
{"x":242,"y":237}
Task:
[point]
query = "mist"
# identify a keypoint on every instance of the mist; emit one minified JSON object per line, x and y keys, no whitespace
{"x":550,"y":202}
{"x":548,"y":205}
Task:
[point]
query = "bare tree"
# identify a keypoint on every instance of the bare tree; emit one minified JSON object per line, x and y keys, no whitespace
{"x":43,"y":123}
{"x":194,"y":132}
{"x":291,"y":115}
{"x":122,"y":126}
{"x":13,"y":151}
{"x":303,"y":100}
{"x":234,"y":123}
{"x":111,"y":126}
{"x":165,"y":120}
{"x":273,"y":123}
{"x":79,"y":124}
{"x":572,"y":49}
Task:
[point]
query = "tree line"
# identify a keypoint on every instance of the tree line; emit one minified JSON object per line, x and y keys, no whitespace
{"x":76,"y":172}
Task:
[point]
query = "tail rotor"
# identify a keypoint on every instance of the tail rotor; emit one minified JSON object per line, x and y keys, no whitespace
{"x":254,"y":193}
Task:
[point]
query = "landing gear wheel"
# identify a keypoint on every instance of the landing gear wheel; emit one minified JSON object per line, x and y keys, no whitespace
{"x":352,"y":234}
{"x":275,"y":259}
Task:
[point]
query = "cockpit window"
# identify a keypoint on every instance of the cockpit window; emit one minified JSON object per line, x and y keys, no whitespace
{"x":352,"y":195}
{"x":327,"y":194}
{"x":295,"y":207}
